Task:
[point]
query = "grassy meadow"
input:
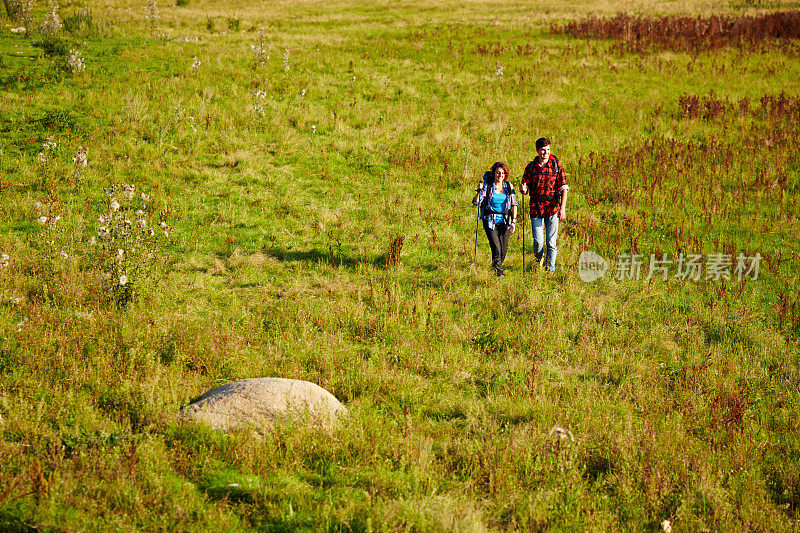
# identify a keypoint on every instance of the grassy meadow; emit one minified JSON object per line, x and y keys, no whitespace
{"x":197,"y":193}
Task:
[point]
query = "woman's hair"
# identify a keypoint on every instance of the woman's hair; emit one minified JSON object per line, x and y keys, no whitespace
{"x":502,"y":165}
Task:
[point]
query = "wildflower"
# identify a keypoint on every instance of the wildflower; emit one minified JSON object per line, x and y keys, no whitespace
{"x":561,"y":433}
{"x":64,"y":254}
{"x":93,"y":240}
{"x":37,"y":205}
{"x":666,"y":526}
{"x":49,"y":144}
{"x":52,"y":22}
{"x":104,"y":219}
{"x":313,"y":128}
{"x":114,"y":205}
{"x":103,"y":232}
{"x":43,"y":219}
{"x":498,"y":71}
{"x":286,"y":60}
{"x":127,"y":223}
{"x":21,"y":323}
{"x":303,"y":92}
{"x":163,"y":224}
{"x":129,"y":190}
{"x":57,"y":219}
{"x":152,"y":232}
{"x":21,"y":29}
{"x":80,"y":158}
{"x":42,"y":158}
{"x":195,"y":63}
{"x":4,"y":260}
{"x":15,"y":301}
{"x":151,"y":11}
{"x":75,"y":62}
{"x":140,"y":213}
{"x":123,"y":280}
{"x":120,"y":253}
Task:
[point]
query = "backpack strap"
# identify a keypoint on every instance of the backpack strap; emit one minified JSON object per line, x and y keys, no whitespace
{"x":556,"y":164}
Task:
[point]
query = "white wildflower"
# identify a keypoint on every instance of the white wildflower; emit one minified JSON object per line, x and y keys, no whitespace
{"x":21,"y":29}
{"x":93,"y":240}
{"x":142,"y":223}
{"x":303,"y":92}
{"x":52,"y":22}
{"x":129,"y":191}
{"x":64,"y":254}
{"x":666,"y":526}
{"x":163,"y":224}
{"x":151,"y":11}
{"x":123,"y":280}
{"x":561,"y":433}
{"x":43,"y":219}
{"x":286,"y":60}
{"x":80,"y":159}
{"x":4,"y":260}
{"x":120,"y":253}
{"x":139,"y":213}
{"x":195,"y":63}
{"x":127,"y":223}
{"x":152,"y":232}
{"x":103,"y":232}
{"x":37,"y":205}
{"x":498,"y":71}
{"x":114,"y":205}
{"x":104,"y":219}
{"x":75,"y":62}
{"x":145,"y":198}
{"x":42,"y":158}
{"x":313,"y":128}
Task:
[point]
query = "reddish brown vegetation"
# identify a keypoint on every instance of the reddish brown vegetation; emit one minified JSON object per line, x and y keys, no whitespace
{"x":710,"y":179}
{"x":641,"y":34}
{"x":711,"y":106}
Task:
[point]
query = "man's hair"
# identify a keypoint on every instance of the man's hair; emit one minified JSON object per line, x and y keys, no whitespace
{"x":502,"y":165}
{"x":541,"y":142}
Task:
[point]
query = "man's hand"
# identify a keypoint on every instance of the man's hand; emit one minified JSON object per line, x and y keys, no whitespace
{"x":513,"y":226}
{"x":523,"y":187}
{"x":562,"y":213}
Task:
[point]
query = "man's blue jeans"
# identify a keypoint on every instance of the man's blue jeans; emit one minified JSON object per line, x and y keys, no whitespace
{"x":550,"y":226}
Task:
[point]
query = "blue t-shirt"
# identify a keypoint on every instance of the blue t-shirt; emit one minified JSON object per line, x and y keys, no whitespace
{"x":498,"y":199}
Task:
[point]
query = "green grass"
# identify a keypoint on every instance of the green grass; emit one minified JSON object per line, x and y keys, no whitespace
{"x":680,"y":396}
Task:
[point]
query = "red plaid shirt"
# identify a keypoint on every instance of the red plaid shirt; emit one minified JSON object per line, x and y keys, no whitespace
{"x":544,"y":187}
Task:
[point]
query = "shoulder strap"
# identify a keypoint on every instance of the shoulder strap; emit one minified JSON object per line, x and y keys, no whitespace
{"x":555,"y":164}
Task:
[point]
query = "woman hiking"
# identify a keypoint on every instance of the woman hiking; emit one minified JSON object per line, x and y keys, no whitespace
{"x":498,"y":210}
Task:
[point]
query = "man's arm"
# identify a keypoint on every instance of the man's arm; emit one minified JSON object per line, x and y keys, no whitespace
{"x":562,"y":211}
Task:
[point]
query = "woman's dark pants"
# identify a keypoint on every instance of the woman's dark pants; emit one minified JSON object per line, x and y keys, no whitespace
{"x":498,"y":241}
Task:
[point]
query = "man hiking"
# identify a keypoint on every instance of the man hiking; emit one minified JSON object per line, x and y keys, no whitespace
{"x":544,"y":180}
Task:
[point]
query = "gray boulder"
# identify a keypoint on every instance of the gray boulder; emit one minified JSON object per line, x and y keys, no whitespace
{"x":258,"y":402}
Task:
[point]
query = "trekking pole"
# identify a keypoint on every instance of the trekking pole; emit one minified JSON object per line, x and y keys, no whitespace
{"x":477,"y":223}
{"x":523,"y":234}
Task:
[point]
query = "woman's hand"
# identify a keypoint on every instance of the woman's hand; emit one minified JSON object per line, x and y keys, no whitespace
{"x":513,"y":225}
